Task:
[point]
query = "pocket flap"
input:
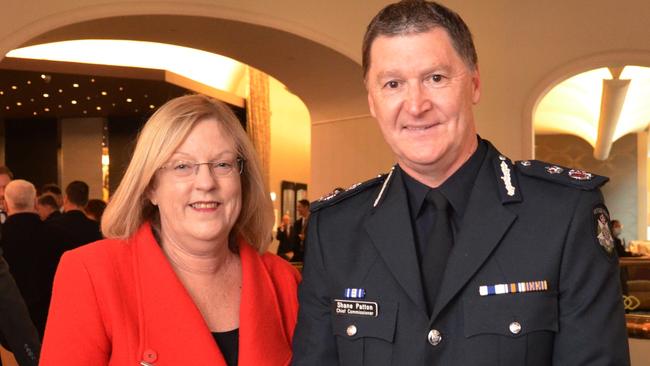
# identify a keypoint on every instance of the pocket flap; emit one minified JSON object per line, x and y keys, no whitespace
{"x":511,"y":314}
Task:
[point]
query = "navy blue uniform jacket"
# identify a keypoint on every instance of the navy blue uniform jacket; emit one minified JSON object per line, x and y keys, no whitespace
{"x":543,"y":230}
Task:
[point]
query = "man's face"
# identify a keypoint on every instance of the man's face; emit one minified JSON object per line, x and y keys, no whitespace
{"x":303,"y":211}
{"x":422,"y":94}
{"x":4,"y":180}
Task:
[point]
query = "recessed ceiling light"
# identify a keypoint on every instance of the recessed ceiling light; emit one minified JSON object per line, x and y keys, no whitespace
{"x":45,"y":95}
{"x":75,"y":85}
{"x":73,"y":101}
{"x":19,"y":103}
{"x":34,"y":113}
{"x":60,"y":106}
{"x":104,"y":93}
{"x":99,"y":108}
{"x":129,"y":100}
{"x":146,"y":95}
{"x":31,"y":100}
{"x":60,"y":90}
{"x":92,"y":80}
{"x":43,"y":76}
{"x":2,"y":93}
{"x":113,"y":104}
{"x":87,"y":98}
{"x":152,"y":106}
{"x":136,"y":110}
{"x":121,"y":88}
{"x":46,"y":109}
{"x":29,"y":82}
{"x":14,"y":87}
{"x":85,"y":112}
{"x":7,"y":107}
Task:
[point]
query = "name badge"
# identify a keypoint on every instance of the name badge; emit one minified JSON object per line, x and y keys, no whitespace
{"x":358,"y":308}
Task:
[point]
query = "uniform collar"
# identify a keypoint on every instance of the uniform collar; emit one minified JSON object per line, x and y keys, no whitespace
{"x":456,"y":188}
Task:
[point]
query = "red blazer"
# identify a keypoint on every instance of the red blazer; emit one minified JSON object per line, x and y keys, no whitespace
{"x":119,"y":302}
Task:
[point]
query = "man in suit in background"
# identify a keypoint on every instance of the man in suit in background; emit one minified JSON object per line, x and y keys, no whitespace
{"x":299,"y":230}
{"x":32,"y":248}
{"x":47,"y":207}
{"x":458,"y":256}
{"x":17,"y":332}
{"x":76,"y":227}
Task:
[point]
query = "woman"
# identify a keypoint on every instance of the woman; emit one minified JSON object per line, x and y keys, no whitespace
{"x":181,"y":280}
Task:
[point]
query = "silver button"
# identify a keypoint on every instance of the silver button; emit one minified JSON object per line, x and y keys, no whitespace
{"x":515,"y":328}
{"x":351,"y":330}
{"x":434,"y":337}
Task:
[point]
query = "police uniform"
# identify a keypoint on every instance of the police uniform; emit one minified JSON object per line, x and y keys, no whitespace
{"x":531,"y":279}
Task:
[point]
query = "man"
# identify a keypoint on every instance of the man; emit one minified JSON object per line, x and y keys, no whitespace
{"x":5,"y":177}
{"x":32,"y":248}
{"x":76,"y":227}
{"x":299,"y":227}
{"x":285,"y":242}
{"x":47,"y":207}
{"x":17,"y":333}
{"x":458,"y":256}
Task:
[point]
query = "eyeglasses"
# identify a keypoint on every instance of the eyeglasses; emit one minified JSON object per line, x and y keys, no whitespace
{"x":220,"y":168}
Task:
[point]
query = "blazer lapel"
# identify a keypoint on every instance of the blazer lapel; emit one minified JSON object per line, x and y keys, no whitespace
{"x":172,"y":328}
{"x":485,"y":222}
{"x":262,"y":335}
{"x":389,"y":227}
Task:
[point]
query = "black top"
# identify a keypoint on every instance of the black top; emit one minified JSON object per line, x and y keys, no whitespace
{"x":456,"y":189}
{"x":228,"y":343}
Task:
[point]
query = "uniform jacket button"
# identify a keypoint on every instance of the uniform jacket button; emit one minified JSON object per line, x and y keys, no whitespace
{"x":434,"y":337}
{"x":351,"y":330}
{"x":515,"y":328}
{"x":149,"y":355}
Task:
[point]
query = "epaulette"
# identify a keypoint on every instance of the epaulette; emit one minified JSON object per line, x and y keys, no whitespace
{"x":339,"y":195}
{"x":576,"y":178}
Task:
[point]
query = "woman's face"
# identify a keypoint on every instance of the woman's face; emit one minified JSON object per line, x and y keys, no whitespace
{"x":199,"y":204}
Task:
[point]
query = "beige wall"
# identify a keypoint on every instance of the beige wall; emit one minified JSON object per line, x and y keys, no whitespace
{"x":620,"y":192}
{"x":346,"y":152}
{"x":81,"y":153}
{"x":290,"y":140}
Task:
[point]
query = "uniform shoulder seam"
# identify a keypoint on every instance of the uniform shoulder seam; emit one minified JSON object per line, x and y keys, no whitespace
{"x":337,"y":196}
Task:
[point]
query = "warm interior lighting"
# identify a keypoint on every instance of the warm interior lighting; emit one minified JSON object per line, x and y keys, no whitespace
{"x":208,"y":68}
{"x":574,"y":105}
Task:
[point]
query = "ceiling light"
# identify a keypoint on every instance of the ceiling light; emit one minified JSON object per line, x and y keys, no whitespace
{"x":60,"y":90}
{"x":2,"y":93}
{"x":34,"y":113}
{"x":204,"y":67}
{"x":19,"y":103}
{"x":60,"y":106}
{"x":45,"y":95}
{"x":104,"y":93}
{"x":73,"y":101}
{"x":75,"y":85}
{"x":146,"y":95}
{"x":29,"y":82}
{"x":152,"y":106}
{"x":99,"y":108}
{"x":129,"y":100}
{"x":85,"y":112}
{"x":46,"y":109}
{"x":43,"y":76}
{"x":121,"y":88}
{"x":87,"y":98}
{"x":92,"y":80}
{"x":14,"y":87}
{"x":7,"y":107}
{"x":31,"y":100}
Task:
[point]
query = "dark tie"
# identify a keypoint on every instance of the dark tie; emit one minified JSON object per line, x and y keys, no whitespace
{"x":438,"y":247}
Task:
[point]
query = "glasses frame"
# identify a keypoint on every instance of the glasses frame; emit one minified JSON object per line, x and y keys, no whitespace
{"x":195,"y":171}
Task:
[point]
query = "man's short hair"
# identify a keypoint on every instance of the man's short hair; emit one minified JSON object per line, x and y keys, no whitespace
{"x":77,"y":193}
{"x":48,"y":200}
{"x":20,"y":194}
{"x":304,"y":202}
{"x":418,"y":16}
{"x":51,"y":188}
{"x":6,"y":171}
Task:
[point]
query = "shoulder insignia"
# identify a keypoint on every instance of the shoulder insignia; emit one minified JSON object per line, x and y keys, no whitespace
{"x":508,"y":185}
{"x":339,"y":195}
{"x":602,"y":229}
{"x":576,"y":178}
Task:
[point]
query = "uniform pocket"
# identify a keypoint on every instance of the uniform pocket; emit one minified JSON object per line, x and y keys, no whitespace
{"x":366,"y":339}
{"x":520,"y":326}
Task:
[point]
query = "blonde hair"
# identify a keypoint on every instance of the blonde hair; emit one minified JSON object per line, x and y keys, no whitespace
{"x":167,"y":128}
